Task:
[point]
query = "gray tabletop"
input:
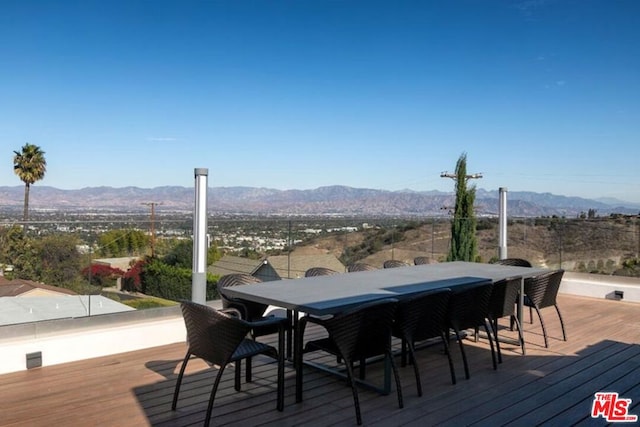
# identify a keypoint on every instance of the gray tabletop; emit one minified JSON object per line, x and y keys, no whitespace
{"x":332,"y":294}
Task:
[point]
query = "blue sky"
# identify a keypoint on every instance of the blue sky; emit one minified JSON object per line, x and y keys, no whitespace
{"x":542,"y":95}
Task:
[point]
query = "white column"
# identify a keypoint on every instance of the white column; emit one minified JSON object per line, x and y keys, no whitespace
{"x":199,"y":276}
{"x":503,"y":223}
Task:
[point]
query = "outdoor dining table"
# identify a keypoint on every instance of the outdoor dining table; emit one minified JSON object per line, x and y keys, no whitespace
{"x":327,"y":295}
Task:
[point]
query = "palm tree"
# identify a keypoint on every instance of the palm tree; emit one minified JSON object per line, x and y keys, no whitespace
{"x":30,"y":165}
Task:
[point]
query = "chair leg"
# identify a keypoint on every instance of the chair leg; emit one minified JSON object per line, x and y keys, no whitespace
{"x":415,"y":367}
{"x":238,"y":373}
{"x":363,"y":369}
{"x":248,"y":370}
{"x":495,"y":335}
{"x":354,"y":391}
{"x":213,"y":395}
{"x":179,"y":381}
{"x":403,"y":353}
{"x":544,"y":330}
{"x":464,"y":356}
{"x":447,"y":350}
{"x":520,"y":333}
{"x":489,"y":331}
{"x":397,"y":378}
{"x":564,"y":334}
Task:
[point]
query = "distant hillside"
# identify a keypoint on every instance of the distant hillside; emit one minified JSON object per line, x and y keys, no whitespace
{"x":338,"y":200}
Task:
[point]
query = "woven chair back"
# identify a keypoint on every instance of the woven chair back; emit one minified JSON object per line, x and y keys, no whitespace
{"x":319,"y":271}
{"x":514,"y":262}
{"x":543,"y":289}
{"x":237,"y":279}
{"x":469,"y":307}
{"x":503,"y":297}
{"x":211,"y":334}
{"x":421,"y":260}
{"x":254,"y":309}
{"x":365,"y":331}
{"x":393,"y":263}
{"x":360,"y":266}
{"x":423,"y":316}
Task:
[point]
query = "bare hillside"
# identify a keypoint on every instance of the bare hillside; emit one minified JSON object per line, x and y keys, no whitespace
{"x":593,"y":246}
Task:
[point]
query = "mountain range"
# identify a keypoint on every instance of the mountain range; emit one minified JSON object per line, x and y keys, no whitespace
{"x":331,"y":200}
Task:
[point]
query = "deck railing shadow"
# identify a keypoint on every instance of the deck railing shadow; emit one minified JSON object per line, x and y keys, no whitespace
{"x":166,"y":368}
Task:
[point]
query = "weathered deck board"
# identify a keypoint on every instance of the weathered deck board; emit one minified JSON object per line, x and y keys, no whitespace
{"x":552,"y":386}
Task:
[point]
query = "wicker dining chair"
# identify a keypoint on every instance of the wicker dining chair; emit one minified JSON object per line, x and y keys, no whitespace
{"x":421,"y":260}
{"x":541,"y":291}
{"x":319,"y":271}
{"x":360,"y":266}
{"x":419,"y":318}
{"x":469,"y":309}
{"x":502,"y":304}
{"x":514,"y":262}
{"x":354,"y":335}
{"x":393,"y":263}
{"x":221,"y":338}
{"x":252,"y":311}
{"x":249,"y":310}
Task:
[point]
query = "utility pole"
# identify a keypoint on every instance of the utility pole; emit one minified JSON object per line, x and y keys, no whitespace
{"x":153,"y":230}
{"x":455,"y":176}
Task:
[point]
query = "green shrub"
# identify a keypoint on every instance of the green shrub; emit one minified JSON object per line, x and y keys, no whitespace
{"x":142,"y":303}
{"x":172,"y":283}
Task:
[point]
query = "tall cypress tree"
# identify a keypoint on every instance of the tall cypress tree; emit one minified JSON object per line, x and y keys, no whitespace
{"x":464,"y":245}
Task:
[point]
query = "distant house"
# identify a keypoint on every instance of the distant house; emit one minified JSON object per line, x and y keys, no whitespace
{"x":123,"y":263}
{"x":29,"y":288}
{"x":275,"y":267}
{"x":260,"y":268}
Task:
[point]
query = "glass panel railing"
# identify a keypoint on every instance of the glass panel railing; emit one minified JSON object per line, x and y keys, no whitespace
{"x":124,"y":261}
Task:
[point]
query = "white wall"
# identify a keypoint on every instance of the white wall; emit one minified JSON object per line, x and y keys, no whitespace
{"x":600,"y":286}
{"x":84,"y":344}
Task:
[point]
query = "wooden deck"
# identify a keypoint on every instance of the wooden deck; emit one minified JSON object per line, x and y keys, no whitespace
{"x":552,"y":386}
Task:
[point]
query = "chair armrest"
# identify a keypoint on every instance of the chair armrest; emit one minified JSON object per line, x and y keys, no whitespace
{"x":268,"y":321}
{"x":319,"y":320}
{"x":240,"y":306}
{"x":233,"y":312}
